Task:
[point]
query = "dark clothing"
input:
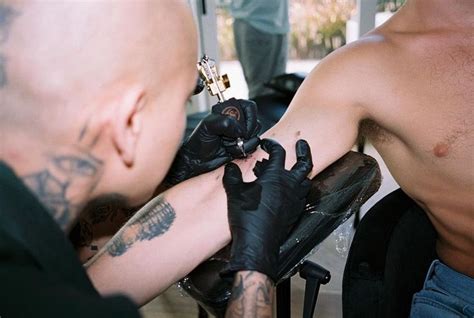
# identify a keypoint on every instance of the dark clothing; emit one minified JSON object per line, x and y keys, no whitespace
{"x":392,"y":249}
{"x":40,"y":274}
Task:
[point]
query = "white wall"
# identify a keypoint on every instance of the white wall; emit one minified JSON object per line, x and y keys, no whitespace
{"x":204,"y":12}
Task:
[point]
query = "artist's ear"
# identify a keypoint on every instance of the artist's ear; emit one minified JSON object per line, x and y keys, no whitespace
{"x":127,"y":123}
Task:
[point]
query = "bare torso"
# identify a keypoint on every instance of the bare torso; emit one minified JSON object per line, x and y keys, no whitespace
{"x":424,"y":108}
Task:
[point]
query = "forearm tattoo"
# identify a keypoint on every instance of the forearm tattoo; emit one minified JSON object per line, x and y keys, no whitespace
{"x":58,"y":184}
{"x":7,"y":15}
{"x":252,"y":296}
{"x":151,"y":221}
{"x":154,"y":222}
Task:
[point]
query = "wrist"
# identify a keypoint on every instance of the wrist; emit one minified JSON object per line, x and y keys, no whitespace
{"x":256,"y":276}
{"x":252,"y":295}
{"x":252,"y":260}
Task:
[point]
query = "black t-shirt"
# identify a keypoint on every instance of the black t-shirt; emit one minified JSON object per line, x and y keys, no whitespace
{"x":40,"y":274}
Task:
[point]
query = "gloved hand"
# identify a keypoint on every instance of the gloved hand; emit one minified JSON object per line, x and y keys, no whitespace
{"x":212,"y":143}
{"x":261,"y":212}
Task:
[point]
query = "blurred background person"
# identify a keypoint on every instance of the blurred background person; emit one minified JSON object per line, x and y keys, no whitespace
{"x":261,"y":40}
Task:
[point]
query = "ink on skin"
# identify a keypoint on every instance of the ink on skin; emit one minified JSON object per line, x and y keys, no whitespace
{"x":6,"y":18}
{"x":52,"y":184}
{"x":153,"y":220}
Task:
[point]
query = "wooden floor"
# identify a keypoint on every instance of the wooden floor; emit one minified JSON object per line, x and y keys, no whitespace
{"x":173,"y":304}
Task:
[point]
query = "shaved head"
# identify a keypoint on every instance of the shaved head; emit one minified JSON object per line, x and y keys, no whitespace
{"x":102,"y":83}
{"x":56,"y":56}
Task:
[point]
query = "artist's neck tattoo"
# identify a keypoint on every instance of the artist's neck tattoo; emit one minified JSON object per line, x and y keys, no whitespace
{"x":61,"y":185}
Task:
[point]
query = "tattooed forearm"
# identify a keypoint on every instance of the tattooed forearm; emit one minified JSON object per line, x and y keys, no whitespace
{"x":7,"y":14}
{"x":151,"y":221}
{"x":252,"y":296}
{"x":58,"y":185}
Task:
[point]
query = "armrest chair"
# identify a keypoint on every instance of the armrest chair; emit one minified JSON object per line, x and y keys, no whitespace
{"x":335,"y":194}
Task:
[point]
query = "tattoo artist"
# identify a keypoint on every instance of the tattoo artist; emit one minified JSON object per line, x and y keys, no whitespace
{"x":260,"y":213}
{"x":94,"y":118}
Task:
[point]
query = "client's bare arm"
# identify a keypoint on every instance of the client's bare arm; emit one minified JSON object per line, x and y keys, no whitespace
{"x":188,"y":223}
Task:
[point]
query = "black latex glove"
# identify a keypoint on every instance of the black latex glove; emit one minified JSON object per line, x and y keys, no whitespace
{"x":213,"y":144}
{"x":260,"y":212}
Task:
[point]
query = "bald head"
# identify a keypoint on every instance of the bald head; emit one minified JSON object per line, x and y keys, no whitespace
{"x":57,"y":56}
{"x":101,"y":83}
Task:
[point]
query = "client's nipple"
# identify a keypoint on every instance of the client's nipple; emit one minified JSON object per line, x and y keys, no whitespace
{"x":441,"y":150}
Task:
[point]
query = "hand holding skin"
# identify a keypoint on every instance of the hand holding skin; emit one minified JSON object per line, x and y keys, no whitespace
{"x":207,"y":148}
{"x":261,"y":212}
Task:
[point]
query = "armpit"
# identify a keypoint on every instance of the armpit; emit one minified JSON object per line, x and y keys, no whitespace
{"x":372,"y":131}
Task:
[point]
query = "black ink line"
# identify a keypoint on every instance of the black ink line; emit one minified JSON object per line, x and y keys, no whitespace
{"x":7,"y":14}
{"x":83,"y":131}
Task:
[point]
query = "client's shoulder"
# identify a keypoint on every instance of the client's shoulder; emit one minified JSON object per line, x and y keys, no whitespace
{"x":367,"y":56}
{"x":350,"y":74}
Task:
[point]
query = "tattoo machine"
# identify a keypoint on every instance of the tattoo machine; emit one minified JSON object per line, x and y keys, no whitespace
{"x":216,"y":85}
